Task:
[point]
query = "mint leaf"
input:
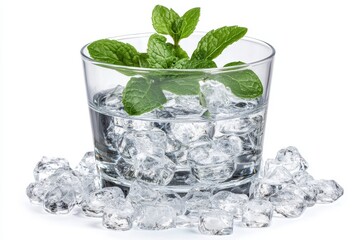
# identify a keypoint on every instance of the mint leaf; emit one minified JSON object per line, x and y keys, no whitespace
{"x":190,"y":20}
{"x":180,"y":53}
{"x":215,"y":41}
{"x":244,"y":84}
{"x":230,"y":64}
{"x":163,"y":19}
{"x":143,"y":60}
{"x":167,"y":21}
{"x":161,"y":54}
{"x":114,"y":52}
{"x":141,"y":95}
{"x":182,"y":86}
{"x":194,"y":64}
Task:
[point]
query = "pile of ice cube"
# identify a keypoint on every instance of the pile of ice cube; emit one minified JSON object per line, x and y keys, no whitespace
{"x":285,"y":189}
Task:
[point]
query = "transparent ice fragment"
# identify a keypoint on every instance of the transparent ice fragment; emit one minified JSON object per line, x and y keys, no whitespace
{"x":288,"y":202}
{"x":113,"y":100}
{"x":210,"y":165}
{"x":197,"y":201}
{"x":216,"y":222}
{"x":216,"y":96}
{"x":265,"y":187}
{"x":327,"y":190}
{"x":68,"y":179}
{"x":87,"y":165}
{"x":238,"y":126}
{"x":183,"y":105}
{"x":229,"y":144}
{"x":94,"y":205}
{"x":89,"y":183}
{"x":59,"y":200}
{"x":142,"y":193}
{"x":173,"y":200}
{"x":288,"y":158}
{"x":186,"y":221}
{"x":155,"y":217}
{"x":187,"y":132}
{"x":257,"y":213}
{"x":125,"y":170}
{"x":302,"y":177}
{"x":114,"y":134}
{"x":229,"y":202}
{"x":119,"y":216}
{"x":36,"y":191}
{"x":303,"y":191}
{"x":48,"y":166}
{"x":155,"y":169}
{"x":136,"y":145}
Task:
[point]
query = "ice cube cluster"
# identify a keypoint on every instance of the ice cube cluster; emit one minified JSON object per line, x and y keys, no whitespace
{"x":284,"y":189}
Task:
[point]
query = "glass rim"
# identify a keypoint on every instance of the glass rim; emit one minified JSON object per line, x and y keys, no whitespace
{"x":212,"y":70}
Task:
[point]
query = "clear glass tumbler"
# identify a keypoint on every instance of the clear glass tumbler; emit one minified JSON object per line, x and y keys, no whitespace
{"x":211,"y":138}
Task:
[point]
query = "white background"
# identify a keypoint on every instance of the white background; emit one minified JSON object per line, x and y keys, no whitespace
{"x":313,"y":102}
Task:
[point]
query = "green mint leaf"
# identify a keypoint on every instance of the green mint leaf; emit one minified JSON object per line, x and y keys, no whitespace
{"x":190,"y":20}
{"x":142,"y":95}
{"x":163,"y":19}
{"x":114,"y":52}
{"x":175,"y":32}
{"x":180,"y":53}
{"x":181,"y":86}
{"x":230,"y":64}
{"x":143,"y":60}
{"x":161,"y":54}
{"x":215,"y":41}
{"x":244,"y":84}
{"x":194,"y":64}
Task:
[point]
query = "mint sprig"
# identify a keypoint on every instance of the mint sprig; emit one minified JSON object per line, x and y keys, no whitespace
{"x":145,"y":93}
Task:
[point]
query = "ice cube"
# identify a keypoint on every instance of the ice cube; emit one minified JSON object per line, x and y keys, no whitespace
{"x":95,"y":203}
{"x":183,"y":105}
{"x":229,"y":144}
{"x":36,"y":191}
{"x":229,"y":202}
{"x":87,"y":165}
{"x":304,"y":192}
{"x":237,"y":126}
{"x":302,"y":177}
{"x":327,"y":190}
{"x":68,"y":179}
{"x":216,"y":96}
{"x":208,"y":164}
{"x":186,"y":221}
{"x":113,"y":135}
{"x":289,"y":158}
{"x":216,"y":222}
{"x":136,"y":145}
{"x":89,"y":183}
{"x":48,"y":166}
{"x":141,"y":193}
{"x":155,"y":217}
{"x":125,"y":170}
{"x":289,"y":202}
{"x":187,"y":132}
{"x":265,"y":187}
{"x":155,"y":169}
{"x":113,"y":100}
{"x":59,"y":200}
{"x":197,"y":201}
{"x":173,"y":200}
{"x":119,"y":217}
{"x":257,"y":213}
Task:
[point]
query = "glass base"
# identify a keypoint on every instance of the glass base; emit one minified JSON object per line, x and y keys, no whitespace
{"x":240,"y":186}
